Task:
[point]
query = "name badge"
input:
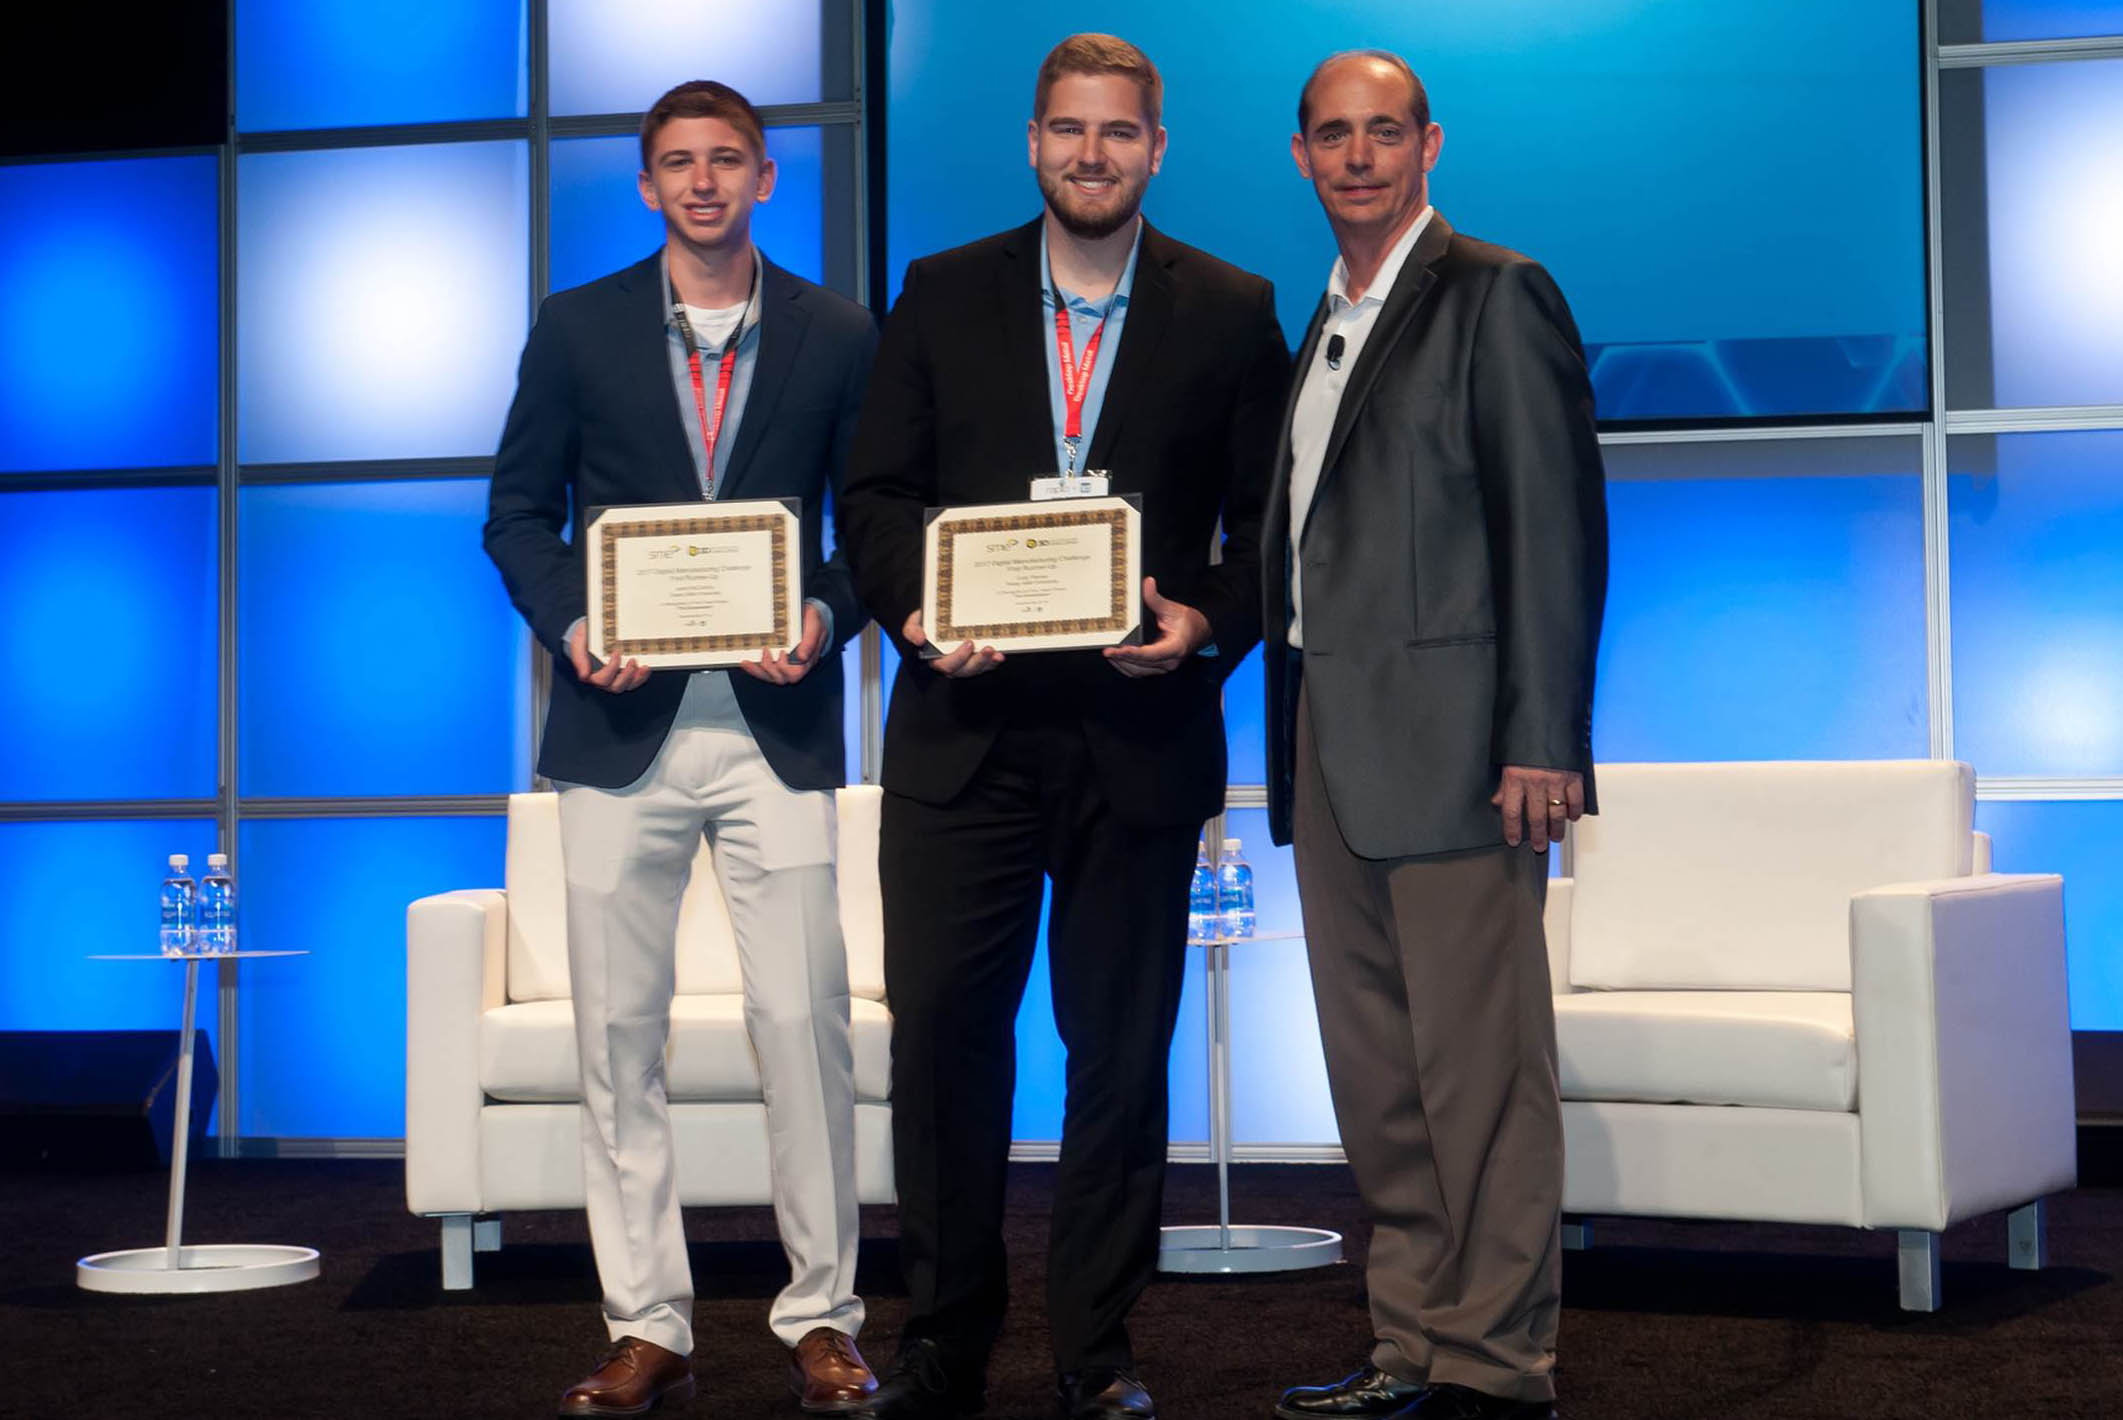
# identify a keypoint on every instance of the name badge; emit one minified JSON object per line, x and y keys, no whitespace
{"x":1089,"y":484}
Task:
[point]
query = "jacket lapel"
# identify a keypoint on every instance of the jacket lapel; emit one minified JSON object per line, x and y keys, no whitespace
{"x":1149,"y":313}
{"x":647,"y":354}
{"x":782,"y":320}
{"x":1411,"y":291}
{"x":1021,"y":363}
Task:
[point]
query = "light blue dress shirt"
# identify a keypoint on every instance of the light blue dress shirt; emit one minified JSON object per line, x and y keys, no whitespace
{"x":1083,"y":319}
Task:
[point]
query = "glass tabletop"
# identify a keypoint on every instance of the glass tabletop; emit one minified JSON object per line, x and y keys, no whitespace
{"x":1215,"y":939}
{"x":194,"y":956}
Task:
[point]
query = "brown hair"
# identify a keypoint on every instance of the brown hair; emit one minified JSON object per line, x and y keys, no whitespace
{"x":1419,"y":100}
{"x":1100,"y":54}
{"x":703,"y":98}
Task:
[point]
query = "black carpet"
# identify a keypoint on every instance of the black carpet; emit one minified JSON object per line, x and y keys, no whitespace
{"x":1688,"y":1321}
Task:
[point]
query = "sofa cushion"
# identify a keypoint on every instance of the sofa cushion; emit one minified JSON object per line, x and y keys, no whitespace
{"x":1738,"y":877}
{"x":1775,"y":1049}
{"x":527,"y":1051}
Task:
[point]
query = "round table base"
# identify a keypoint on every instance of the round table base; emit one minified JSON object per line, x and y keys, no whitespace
{"x":219,"y":1267}
{"x":1199,"y":1248}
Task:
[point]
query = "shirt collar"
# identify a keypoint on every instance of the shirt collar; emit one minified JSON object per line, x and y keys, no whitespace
{"x":752,"y":302}
{"x":1077,"y":303}
{"x":1388,"y":272}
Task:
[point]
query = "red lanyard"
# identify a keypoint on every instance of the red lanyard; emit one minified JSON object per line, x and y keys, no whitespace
{"x":1076,"y":379}
{"x":711,"y":430}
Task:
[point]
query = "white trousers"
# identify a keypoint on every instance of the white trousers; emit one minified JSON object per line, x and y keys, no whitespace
{"x":628,"y":853}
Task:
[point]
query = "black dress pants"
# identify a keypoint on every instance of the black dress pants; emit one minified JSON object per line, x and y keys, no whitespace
{"x":962,"y":885}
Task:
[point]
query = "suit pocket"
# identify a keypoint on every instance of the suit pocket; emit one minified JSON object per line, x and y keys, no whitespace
{"x":1476,"y":638}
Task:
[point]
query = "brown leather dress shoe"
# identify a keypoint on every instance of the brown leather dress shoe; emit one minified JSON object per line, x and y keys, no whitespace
{"x":828,"y":1374}
{"x":634,"y":1377}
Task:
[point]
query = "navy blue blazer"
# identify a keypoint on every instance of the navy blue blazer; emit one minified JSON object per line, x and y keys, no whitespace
{"x":596,"y":421}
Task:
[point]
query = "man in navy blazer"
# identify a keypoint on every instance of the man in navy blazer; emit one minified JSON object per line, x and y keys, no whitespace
{"x":702,"y":372}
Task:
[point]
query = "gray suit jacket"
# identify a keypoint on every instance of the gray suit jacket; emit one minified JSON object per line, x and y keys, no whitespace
{"x":1454,"y":559}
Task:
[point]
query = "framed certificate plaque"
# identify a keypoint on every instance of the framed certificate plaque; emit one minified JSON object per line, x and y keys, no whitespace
{"x":1039,"y":576}
{"x":694,"y":585}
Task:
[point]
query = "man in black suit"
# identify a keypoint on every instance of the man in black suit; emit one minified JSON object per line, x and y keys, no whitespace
{"x":1085,"y":342}
{"x":1436,"y":535}
{"x":703,"y":372}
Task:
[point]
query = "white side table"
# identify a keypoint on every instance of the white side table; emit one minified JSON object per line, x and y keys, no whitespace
{"x":1224,"y":1246}
{"x":173,"y":1267}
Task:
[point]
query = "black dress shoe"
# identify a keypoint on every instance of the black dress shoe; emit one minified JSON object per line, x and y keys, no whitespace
{"x":923,"y":1385}
{"x":1370,"y":1394}
{"x":1458,"y":1402}
{"x":1104,"y":1393}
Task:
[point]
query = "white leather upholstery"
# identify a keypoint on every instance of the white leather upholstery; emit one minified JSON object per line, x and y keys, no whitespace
{"x":491,"y":1076}
{"x":1795,"y":993}
{"x":1738,"y":877}
{"x":1774,"y":1049}
{"x":527,"y":1051}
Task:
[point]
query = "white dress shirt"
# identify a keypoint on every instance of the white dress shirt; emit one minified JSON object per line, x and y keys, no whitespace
{"x":1319,"y":398}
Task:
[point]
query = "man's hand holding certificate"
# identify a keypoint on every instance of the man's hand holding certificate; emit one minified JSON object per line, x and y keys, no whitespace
{"x":694,"y":585}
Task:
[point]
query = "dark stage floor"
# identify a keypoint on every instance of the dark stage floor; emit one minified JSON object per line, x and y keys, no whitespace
{"x":1688,"y":1321}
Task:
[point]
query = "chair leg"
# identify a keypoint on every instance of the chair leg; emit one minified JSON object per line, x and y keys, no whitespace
{"x":1577,"y":1234}
{"x":486,"y":1234}
{"x":2027,"y":1236}
{"x":1919,"y":1256}
{"x":457,"y":1252}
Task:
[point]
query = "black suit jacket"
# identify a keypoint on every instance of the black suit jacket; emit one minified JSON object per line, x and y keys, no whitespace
{"x":958,"y":412}
{"x":596,"y":421}
{"x":1454,"y":558}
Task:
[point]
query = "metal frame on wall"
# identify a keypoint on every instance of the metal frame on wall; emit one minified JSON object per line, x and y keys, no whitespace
{"x":863,"y":199}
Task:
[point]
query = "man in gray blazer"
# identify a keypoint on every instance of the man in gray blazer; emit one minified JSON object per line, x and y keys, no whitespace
{"x":1435,"y":542}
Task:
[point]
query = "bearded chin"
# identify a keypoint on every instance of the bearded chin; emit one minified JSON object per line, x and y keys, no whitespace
{"x":1078,"y":225}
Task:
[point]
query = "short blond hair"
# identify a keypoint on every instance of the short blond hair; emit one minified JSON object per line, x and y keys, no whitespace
{"x":1100,"y":54}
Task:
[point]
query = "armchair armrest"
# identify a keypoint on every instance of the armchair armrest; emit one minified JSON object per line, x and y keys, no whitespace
{"x":1964,"y":1047}
{"x":456,"y":962}
{"x":1555,"y":924}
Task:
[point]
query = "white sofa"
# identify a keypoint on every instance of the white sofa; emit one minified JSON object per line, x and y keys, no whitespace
{"x":492,"y":1096}
{"x":1794,"y":992}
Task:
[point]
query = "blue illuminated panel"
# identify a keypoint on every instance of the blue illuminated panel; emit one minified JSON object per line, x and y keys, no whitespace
{"x":2049,"y":19}
{"x":114,"y":592}
{"x":1245,"y":722}
{"x":347,"y":63}
{"x":2078,"y":840}
{"x":2054,"y":135}
{"x":2037,"y":538}
{"x":617,"y":58}
{"x":1278,"y":1069}
{"x":69,"y":891}
{"x":1724,"y":319}
{"x":324,"y":1034}
{"x":378,"y":652}
{"x":108,"y":306}
{"x":1763,"y":617}
{"x":383,"y":299}
{"x":600,"y":223}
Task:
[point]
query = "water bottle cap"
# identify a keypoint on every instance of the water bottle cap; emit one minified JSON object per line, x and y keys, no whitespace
{"x":1231,"y":845}
{"x":179,"y":860}
{"x":217,"y":860}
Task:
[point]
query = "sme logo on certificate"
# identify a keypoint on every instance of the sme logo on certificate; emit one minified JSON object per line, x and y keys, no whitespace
{"x":694,"y":585}
{"x":1036,"y":576}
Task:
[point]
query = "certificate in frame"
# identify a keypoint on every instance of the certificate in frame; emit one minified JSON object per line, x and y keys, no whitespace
{"x":694,"y":586}
{"x":1050,"y":575}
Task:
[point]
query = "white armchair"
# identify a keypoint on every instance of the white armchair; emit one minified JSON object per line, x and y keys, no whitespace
{"x":1795,"y":992}
{"x":492,"y":1110}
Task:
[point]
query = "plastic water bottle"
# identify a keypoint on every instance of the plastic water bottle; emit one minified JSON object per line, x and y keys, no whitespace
{"x":217,"y":906}
{"x":1234,"y":891}
{"x":179,"y":907}
{"x":1201,"y":897}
